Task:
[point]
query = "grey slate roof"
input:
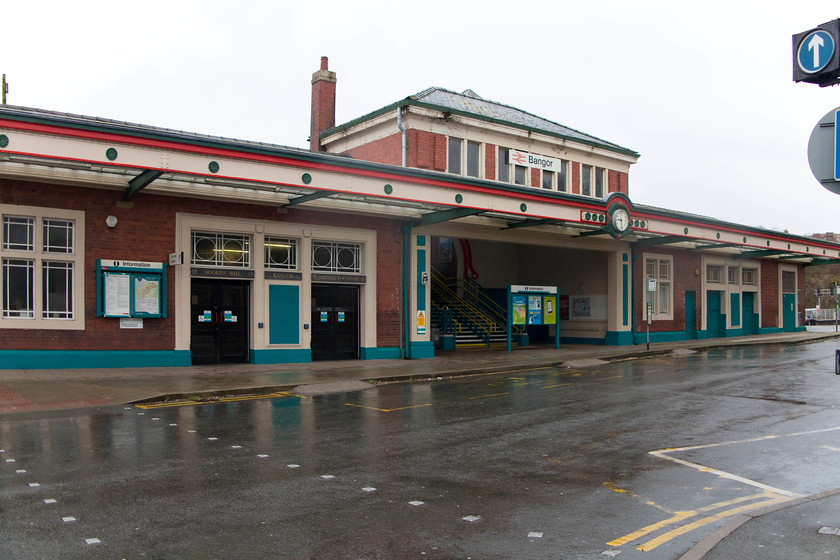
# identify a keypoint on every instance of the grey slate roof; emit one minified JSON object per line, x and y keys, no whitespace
{"x":471,"y":102}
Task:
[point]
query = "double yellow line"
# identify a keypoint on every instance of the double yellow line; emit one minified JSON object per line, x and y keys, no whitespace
{"x":219,"y":400}
{"x":759,"y":500}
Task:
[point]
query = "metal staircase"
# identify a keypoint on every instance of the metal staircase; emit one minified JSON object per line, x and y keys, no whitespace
{"x":462,"y":308}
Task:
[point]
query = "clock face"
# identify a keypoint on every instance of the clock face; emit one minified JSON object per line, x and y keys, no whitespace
{"x":621,"y":220}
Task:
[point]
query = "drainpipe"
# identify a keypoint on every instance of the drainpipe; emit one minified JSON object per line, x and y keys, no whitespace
{"x":633,"y":292}
{"x":402,"y":130}
{"x":405,"y":326}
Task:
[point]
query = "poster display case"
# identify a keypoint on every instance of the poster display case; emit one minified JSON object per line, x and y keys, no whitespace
{"x":130,"y":289}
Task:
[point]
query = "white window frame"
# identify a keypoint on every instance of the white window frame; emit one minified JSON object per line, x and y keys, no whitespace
{"x":733,"y":276}
{"x":552,"y":183}
{"x":464,"y":156}
{"x":586,"y":171}
{"x":293,"y":253}
{"x":459,"y":151}
{"x":503,"y":163}
{"x":563,"y":185}
{"x":666,"y":283}
{"x":222,"y":242}
{"x":335,"y":250}
{"x":39,"y":257}
{"x":600,"y":173}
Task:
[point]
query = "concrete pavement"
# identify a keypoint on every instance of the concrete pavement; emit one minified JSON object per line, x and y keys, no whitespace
{"x":788,"y":531}
{"x":51,"y":389}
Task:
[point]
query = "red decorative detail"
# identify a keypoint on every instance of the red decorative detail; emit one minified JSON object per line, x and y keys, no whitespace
{"x":469,"y":271}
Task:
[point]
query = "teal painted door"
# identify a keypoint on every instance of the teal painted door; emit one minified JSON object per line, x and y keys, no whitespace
{"x":788,"y":312}
{"x":748,"y":313}
{"x":690,"y":315}
{"x":713,"y":316}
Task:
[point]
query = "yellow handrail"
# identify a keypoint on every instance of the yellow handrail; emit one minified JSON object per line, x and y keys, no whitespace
{"x":481,"y":321}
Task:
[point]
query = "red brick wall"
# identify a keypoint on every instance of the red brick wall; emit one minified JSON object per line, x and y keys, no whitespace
{"x":490,"y":153}
{"x":386,"y":150}
{"x":146,"y":232}
{"x":426,"y":150}
{"x":618,"y":182}
{"x":800,"y":287}
{"x":686,"y":278}
{"x":322,"y":116}
{"x":770,"y":294}
{"x":575,"y":177}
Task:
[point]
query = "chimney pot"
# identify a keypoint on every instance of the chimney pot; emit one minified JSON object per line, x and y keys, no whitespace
{"x":324,"y":63}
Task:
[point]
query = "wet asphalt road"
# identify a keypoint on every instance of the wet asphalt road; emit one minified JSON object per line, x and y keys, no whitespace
{"x":634,"y":459}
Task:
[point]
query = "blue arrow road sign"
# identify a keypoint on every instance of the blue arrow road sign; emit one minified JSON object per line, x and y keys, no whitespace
{"x":815,"y":51}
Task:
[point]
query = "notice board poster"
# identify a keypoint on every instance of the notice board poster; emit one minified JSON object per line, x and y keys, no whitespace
{"x":535,"y":310}
{"x":520,"y":310}
{"x":117,"y":295}
{"x":563,"y":307}
{"x":549,"y":310}
{"x":146,"y":295}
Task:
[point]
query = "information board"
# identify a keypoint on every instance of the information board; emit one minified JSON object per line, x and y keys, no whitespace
{"x":533,"y":306}
{"x":127,"y":289}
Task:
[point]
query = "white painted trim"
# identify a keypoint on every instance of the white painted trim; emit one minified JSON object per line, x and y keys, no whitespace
{"x":77,"y":258}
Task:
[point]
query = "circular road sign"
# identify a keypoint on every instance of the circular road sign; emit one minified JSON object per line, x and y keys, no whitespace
{"x":815,"y":51}
{"x":822,"y":151}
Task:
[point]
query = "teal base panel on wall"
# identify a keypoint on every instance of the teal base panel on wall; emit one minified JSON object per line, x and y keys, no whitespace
{"x":421,"y":350}
{"x":83,"y":359}
{"x":671,"y":336}
{"x":618,"y":338}
{"x":580,"y":340}
{"x":380,"y":353}
{"x":282,"y":356}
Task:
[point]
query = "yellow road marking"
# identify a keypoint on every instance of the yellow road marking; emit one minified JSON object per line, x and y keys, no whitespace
{"x":558,"y":385}
{"x":387,"y":409}
{"x":770,"y":494}
{"x":489,"y":396}
{"x":683,"y":515}
{"x":653,"y":543}
{"x":608,"y":378}
{"x":219,"y":400}
{"x":615,"y":488}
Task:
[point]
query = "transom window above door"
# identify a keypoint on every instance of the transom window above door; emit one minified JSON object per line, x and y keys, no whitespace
{"x":221,"y":249}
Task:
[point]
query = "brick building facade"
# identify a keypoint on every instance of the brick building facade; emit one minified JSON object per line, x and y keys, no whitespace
{"x":127,"y":244}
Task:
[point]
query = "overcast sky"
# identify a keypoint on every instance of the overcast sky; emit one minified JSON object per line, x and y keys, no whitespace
{"x":702,"y":90}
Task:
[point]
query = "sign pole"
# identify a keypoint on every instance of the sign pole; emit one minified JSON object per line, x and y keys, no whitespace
{"x":557,"y":322}
{"x":509,"y":317}
{"x":651,"y":289}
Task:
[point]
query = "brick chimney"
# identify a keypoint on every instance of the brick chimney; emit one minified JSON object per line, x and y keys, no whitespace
{"x":323,"y":104}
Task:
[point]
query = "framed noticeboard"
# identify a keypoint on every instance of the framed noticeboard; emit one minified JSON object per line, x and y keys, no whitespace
{"x":130,"y":289}
{"x":534,"y":306}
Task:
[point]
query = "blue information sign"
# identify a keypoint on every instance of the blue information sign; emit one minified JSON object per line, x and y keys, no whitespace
{"x":815,"y":51}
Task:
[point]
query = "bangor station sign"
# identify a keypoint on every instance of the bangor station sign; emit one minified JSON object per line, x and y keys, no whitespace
{"x":531,"y":160}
